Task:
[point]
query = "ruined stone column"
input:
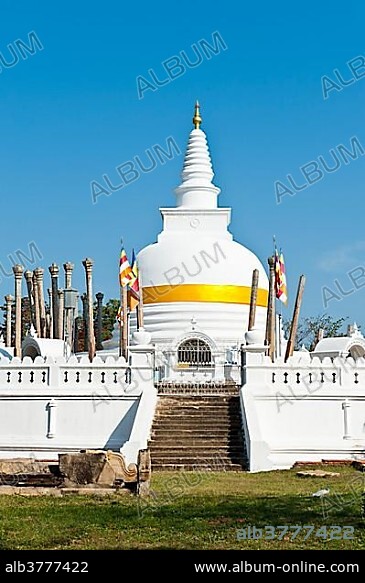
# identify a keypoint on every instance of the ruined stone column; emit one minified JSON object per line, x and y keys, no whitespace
{"x":99,"y":297}
{"x":54,"y":271}
{"x":50,"y":333}
{"x":37,"y":313}
{"x":29,"y":279}
{"x":85,"y":320}
{"x":39,"y":272}
{"x":18,"y":274}
{"x":69,"y":318}
{"x":9,"y":301}
{"x":88,"y":265}
{"x":68,"y":267}
{"x":60,"y":313}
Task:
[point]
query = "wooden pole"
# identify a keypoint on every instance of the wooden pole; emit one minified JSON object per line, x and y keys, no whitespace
{"x":139,"y":316}
{"x":121,"y":323}
{"x":270,"y":321}
{"x":295,"y":320}
{"x":253,"y":300}
{"x":124,"y":322}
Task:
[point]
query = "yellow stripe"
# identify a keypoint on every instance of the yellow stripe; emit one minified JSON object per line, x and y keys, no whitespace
{"x":225,"y":294}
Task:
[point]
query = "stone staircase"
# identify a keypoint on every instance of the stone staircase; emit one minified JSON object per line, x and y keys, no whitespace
{"x":198,"y":433}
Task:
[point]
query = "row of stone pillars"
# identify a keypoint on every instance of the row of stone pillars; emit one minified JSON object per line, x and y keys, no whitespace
{"x":54,"y":324}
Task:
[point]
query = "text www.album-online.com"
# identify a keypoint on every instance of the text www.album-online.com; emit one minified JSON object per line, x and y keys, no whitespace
{"x":300,"y":567}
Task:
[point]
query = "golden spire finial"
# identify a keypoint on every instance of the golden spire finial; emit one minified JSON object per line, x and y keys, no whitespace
{"x":197,"y":120}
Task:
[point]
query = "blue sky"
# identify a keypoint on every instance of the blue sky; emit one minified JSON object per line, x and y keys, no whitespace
{"x":71,"y":113}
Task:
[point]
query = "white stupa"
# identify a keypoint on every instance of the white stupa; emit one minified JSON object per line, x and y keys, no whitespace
{"x":196,"y":279}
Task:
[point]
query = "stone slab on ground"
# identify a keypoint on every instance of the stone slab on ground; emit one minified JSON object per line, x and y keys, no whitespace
{"x":317,"y":474}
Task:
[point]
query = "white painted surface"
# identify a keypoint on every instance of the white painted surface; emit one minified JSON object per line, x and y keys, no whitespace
{"x":308,"y":411}
{"x":48,"y":407}
{"x":195,"y":247}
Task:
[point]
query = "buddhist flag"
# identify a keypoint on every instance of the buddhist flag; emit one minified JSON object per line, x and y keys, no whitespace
{"x":133,"y":289}
{"x":280,"y":278}
{"x":125,"y":271}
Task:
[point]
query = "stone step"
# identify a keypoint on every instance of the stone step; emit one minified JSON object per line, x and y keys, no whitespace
{"x":166,"y":467}
{"x":193,"y":445}
{"x":201,"y":455}
{"x":198,"y":415}
{"x":194,"y":432}
{"x":214,"y":463}
{"x":191,"y":431}
{"x":190,"y":417}
{"x":211,"y":402}
{"x":198,"y":406}
{"x":198,"y":435}
{"x":208,"y":427}
{"x":232,"y":456}
{"x":166,"y":445}
{"x":197,"y":453}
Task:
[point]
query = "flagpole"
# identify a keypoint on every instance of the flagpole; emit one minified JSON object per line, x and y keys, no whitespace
{"x":270,"y":321}
{"x":120,"y":324}
{"x":125,"y":322}
{"x":140,"y":314}
{"x":280,"y":315}
{"x":277,"y":336}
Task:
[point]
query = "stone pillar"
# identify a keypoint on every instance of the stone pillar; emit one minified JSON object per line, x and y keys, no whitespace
{"x":70,"y":316}
{"x":18,"y":274}
{"x":9,"y":301}
{"x":60,"y":313}
{"x":39,"y":272}
{"x":99,"y":297}
{"x":68,"y":267}
{"x":29,"y":280}
{"x":88,"y":265}
{"x":54,"y":271}
{"x":37,"y":313}
{"x":85,"y":320}
{"x":50,"y":333}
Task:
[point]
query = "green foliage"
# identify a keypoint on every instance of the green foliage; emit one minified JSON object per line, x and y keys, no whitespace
{"x":110,"y":311}
{"x":309,"y":328}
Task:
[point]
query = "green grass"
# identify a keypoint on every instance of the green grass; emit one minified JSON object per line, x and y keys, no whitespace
{"x":190,"y":511}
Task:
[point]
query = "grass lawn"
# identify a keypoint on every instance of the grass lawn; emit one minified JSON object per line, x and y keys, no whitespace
{"x":194,"y":511}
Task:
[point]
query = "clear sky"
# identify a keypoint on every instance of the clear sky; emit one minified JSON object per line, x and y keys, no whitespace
{"x":72,"y":111}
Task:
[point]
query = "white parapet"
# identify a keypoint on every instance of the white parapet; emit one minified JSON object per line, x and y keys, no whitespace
{"x":53,"y":406}
{"x":303,"y":410}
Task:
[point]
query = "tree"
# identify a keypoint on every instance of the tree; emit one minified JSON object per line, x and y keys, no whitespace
{"x":110,"y":310}
{"x":308,"y":329}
